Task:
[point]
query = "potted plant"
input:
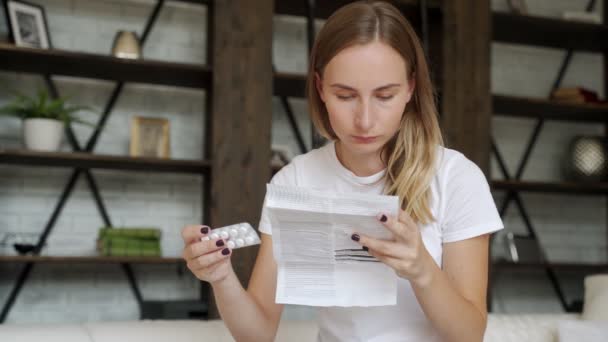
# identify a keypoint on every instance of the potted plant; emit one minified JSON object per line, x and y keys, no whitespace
{"x":44,"y":119}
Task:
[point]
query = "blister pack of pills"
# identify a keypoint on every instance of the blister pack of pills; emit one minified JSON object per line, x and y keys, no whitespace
{"x":236,"y":236}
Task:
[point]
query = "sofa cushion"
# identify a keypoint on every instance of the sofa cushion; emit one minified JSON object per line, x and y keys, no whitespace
{"x":525,"y":327}
{"x":44,"y":332}
{"x":159,"y":331}
{"x":587,"y":331}
{"x":596,"y":298}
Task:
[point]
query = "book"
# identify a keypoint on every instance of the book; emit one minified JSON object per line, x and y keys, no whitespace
{"x":575,"y":95}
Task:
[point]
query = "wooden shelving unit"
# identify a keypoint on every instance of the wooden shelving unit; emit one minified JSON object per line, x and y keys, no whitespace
{"x":57,"y":62}
{"x":557,"y":34}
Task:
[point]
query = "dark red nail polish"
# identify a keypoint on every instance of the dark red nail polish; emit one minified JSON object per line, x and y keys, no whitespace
{"x":225,"y":251}
{"x":365,"y":248}
{"x":205,"y":230}
{"x":355,"y":237}
{"x":383,"y":218}
{"x":219,"y":243}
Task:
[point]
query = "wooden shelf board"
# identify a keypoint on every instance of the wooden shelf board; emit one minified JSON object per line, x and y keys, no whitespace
{"x":289,"y":84}
{"x":106,"y":67}
{"x":539,"y":108}
{"x":323,"y":9}
{"x":552,"y":187}
{"x":88,"y":259}
{"x":558,"y":266}
{"x":549,"y":32}
{"x":97,"y":161}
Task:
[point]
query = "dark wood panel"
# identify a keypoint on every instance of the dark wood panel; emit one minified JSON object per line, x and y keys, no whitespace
{"x":96,"y":161}
{"x":552,"y":187}
{"x":548,"y":32}
{"x":465,"y":92}
{"x":77,"y":64}
{"x":539,"y":108}
{"x":88,"y":259}
{"x":241,"y":116}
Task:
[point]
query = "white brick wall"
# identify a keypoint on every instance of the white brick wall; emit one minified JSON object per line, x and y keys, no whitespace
{"x":75,"y":293}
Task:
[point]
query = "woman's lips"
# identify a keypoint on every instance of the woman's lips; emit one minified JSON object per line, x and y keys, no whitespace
{"x":364,"y":140}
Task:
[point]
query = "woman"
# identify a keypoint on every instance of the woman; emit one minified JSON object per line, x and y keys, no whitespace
{"x":370,"y":94}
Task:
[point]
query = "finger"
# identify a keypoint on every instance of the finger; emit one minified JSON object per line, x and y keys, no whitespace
{"x":395,"y":226}
{"x":197,"y":249}
{"x":389,"y":261}
{"x":407,"y":219}
{"x":193,"y":233}
{"x":208,"y":260}
{"x":379,"y":246}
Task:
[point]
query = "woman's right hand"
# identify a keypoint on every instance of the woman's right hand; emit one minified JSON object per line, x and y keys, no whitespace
{"x":208,"y":260}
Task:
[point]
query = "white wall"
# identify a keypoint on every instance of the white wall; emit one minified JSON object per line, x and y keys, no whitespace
{"x":68,"y":293}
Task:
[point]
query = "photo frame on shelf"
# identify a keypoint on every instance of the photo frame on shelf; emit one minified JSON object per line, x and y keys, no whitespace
{"x":27,"y":24}
{"x":149,"y":137}
{"x":518,"y":6}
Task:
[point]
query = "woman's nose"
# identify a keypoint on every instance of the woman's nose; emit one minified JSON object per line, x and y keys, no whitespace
{"x":363,"y":119}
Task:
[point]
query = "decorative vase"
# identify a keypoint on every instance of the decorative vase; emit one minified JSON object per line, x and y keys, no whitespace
{"x":587,"y":159}
{"x":126,"y":45}
{"x":43,"y":134}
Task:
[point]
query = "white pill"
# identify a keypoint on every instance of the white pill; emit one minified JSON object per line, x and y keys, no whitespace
{"x":224,"y":235}
{"x":214,"y":236}
{"x":249,"y":240}
{"x":234,"y":233}
{"x":231,"y":244}
{"x":205,"y":238}
{"x":240,"y":242}
{"x":243,"y":229}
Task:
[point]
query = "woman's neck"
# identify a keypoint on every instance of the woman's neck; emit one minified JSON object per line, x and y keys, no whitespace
{"x":360,"y":165}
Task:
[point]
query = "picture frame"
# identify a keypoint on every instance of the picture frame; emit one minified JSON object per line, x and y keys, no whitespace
{"x":149,"y":137}
{"x":27,"y":23}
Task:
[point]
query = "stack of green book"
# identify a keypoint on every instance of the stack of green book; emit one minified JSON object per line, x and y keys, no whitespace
{"x":113,"y":241}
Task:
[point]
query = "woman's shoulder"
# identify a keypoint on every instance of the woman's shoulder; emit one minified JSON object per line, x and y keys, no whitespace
{"x":457,"y":170}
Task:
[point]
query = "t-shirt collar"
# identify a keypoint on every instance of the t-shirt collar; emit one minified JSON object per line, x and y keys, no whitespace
{"x":346,"y":173}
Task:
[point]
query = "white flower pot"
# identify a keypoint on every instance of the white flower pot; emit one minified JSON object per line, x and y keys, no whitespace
{"x":43,"y":134}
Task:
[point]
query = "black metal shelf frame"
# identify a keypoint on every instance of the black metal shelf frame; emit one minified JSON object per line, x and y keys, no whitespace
{"x":513,"y":195}
{"x":90,"y":179}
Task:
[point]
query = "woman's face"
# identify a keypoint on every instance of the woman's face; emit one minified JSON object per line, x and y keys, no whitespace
{"x":365,"y":89}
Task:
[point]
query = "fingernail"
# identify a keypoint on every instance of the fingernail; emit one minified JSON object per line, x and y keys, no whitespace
{"x":205,"y":230}
{"x":355,"y":237}
{"x":225,"y":251}
{"x":219,"y":243}
{"x":365,"y":248}
{"x":383,"y":218}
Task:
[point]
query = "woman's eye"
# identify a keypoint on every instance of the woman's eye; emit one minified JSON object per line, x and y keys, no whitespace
{"x":385,"y":98}
{"x":345,"y":97}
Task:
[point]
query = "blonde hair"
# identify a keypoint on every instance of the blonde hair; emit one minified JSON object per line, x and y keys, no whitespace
{"x":412,"y":152}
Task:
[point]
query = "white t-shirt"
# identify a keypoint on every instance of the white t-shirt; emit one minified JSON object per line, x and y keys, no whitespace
{"x":461,"y":203}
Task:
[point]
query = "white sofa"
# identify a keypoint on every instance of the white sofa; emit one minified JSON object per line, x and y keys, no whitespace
{"x":501,"y":328}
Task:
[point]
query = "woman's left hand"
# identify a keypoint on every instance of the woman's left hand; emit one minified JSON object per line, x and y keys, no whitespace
{"x":405,"y":253}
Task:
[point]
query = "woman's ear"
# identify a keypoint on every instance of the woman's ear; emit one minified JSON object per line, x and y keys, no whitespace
{"x":319,"y":86}
{"x":411,"y":86}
